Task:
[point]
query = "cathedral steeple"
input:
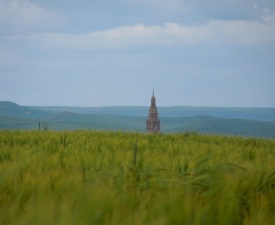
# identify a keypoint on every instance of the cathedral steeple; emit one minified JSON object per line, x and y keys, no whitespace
{"x":153,"y":123}
{"x":153,"y":99}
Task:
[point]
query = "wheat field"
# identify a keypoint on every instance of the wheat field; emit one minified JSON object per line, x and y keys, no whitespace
{"x":98,"y":177}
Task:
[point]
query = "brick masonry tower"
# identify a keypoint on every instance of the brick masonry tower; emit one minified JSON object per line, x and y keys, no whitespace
{"x":153,"y":123}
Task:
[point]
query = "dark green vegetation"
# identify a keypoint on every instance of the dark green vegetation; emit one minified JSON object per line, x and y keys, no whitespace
{"x":257,"y":122}
{"x":99,"y":177}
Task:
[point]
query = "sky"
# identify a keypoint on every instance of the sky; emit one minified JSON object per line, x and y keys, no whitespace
{"x":115,"y":52}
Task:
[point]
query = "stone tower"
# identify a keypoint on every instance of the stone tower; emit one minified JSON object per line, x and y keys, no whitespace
{"x":153,"y":123}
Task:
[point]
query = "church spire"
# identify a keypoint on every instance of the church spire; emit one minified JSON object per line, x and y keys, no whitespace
{"x":153,"y":99}
{"x":153,"y":123}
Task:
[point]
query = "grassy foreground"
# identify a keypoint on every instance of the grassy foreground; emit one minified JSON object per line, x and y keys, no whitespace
{"x":90,"y":177}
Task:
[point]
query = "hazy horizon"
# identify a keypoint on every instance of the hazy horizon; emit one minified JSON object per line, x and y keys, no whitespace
{"x":91,"y":54}
{"x":146,"y":106}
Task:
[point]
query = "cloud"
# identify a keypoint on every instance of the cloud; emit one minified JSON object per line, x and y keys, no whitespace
{"x":24,"y":14}
{"x":268,"y":16}
{"x":169,"y":34}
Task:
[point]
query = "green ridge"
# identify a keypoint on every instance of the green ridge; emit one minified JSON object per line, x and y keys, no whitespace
{"x":13,"y":116}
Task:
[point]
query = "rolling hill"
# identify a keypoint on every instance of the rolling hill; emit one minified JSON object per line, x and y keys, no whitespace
{"x":228,"y":121}
{"x":14,"y":110}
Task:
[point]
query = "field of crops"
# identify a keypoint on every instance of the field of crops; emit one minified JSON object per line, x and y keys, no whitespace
{"x":96,"y":177}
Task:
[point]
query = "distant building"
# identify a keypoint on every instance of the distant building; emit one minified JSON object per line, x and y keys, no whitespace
{"x":153,"y":123}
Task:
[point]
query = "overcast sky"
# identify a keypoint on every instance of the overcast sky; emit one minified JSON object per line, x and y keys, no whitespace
{"x":114,"y":52}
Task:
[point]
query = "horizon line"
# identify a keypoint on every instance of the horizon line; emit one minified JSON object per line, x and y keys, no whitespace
{"x":159,"y":106}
